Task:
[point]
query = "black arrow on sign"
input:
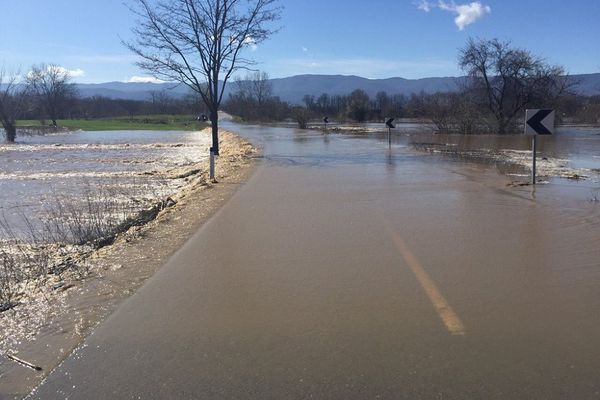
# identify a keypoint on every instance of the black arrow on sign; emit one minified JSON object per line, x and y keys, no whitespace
{"x":389,"y":124}
{"x":535,"y":122}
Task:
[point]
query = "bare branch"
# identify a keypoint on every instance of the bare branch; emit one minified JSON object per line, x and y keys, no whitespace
{"x":199,"y":42}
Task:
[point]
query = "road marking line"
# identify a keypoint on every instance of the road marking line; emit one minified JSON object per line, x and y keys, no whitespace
{"x":448,"y":316}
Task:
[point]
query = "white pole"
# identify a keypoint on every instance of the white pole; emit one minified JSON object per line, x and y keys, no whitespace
{"x":534,"y":151}
{"x":212,"y":165}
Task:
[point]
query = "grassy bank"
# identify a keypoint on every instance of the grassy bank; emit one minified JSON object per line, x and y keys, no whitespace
{"x":140,"y":122}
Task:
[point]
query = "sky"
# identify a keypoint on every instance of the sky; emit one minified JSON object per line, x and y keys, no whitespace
{"x":369,"y":38}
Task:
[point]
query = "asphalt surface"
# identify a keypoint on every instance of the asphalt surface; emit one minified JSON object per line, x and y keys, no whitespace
{"x":342,"y":270}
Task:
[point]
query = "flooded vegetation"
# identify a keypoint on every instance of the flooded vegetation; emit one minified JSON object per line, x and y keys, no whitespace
{"x":132,"y":169}
{"x":75,"y":243}
{"x":573,"y":152}
{"x":65,"y":195}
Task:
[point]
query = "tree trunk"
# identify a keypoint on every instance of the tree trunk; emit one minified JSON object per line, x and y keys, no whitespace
{"x":214,"y":119}
{"x":11,"y":133}
{"x":501,"y":127}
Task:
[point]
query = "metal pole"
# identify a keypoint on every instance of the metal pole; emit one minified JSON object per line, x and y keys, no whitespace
{"x":390,"y":138}
{"x":212,"y":165}
{"x":534,"y":151}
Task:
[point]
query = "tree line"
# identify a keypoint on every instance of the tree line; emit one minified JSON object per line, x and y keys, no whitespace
{"x":46,"y":93}
{"x":500,"y":82}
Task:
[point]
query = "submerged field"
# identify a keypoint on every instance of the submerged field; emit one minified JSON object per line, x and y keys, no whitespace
{"x":139,"y":122}
{"x":64,"y":195}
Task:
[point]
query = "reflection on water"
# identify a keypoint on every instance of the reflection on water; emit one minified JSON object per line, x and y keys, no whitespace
{"x":581,"y":147}
{"x":578,"y":147}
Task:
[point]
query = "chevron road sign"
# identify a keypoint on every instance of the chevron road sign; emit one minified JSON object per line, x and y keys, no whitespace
{"x":539,"y":122}
{"x":390,"y":126}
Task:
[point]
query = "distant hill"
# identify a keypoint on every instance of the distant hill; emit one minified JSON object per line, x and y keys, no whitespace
{"x":294,"y":88}
{"x":129,"y":91}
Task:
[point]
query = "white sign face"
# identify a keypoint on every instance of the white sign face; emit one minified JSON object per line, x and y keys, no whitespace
{"x":539,"y":122}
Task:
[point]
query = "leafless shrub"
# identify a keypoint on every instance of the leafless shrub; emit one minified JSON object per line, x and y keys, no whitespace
{"x":9,"y":278}
{"x":302,"y":116}
{"x":99,"y":214}
{"x":23,"y":257}
{"x":72,"y":227}
{"x":91,"y":219}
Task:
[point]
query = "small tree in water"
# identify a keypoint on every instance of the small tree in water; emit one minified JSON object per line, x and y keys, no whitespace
{"x":53,"y":91}
{"x":198,"y":43}
{"x":358,"y":105}
{"x":12,"y":103}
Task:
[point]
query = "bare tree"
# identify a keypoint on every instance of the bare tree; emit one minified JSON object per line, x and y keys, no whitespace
{"x":198,"y":43}
{"x":509,"y":79}
{"x":161,"y":101}
{"x":12,"y":103}
{"x":440,"y":107}
{"x":302,"y":116}
{"x":256,"y":86}
{"x":51,"y":84}
{"x":254,"y":91}
{"x":358,"y":105}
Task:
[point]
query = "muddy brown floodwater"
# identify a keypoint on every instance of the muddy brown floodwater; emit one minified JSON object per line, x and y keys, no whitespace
{"x":55,"y":312}
{"x":345,"y":270}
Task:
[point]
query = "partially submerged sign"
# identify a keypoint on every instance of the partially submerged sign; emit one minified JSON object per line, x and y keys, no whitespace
{"x":390,"y":126}
{"x":539,"y":122}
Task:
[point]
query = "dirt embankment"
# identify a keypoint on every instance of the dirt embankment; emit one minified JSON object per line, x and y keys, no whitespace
{"x":55,"y":313}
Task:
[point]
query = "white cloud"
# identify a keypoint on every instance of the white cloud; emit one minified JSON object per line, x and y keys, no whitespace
{"x":251,"y":42}
{"x":305,"y":49}
{"x":466,"y":14}
{"x":425,"y":5}
{"x":75,"y":73}
{"x":71,"y":73}
{"x":144,"y":79}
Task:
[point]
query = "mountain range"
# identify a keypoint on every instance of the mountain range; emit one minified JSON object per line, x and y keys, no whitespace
{"x":294,"y":88}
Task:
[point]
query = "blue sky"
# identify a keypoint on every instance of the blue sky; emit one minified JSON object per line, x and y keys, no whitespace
{"x":374,"y":39}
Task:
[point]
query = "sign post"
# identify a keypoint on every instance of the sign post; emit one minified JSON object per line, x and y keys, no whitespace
{"x":390,"y":126}
{"x":211,"y":170}
{"x":538,"y":122}
{"x":534,"y":158}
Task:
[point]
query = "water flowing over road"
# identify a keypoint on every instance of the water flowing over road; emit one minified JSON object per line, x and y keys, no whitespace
{"x":81,"y":167}
{"x":347,"y":270}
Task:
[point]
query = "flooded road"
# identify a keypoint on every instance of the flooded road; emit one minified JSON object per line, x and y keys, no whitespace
{"x":344,"y":270}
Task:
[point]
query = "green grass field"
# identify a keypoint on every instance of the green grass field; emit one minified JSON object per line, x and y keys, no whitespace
{"x":143,"y":122}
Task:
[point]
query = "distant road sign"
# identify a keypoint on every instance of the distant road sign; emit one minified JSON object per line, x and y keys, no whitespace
{"x":389,"y":124}
{"x":326,"y":120}
{"x":539,"y":122}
